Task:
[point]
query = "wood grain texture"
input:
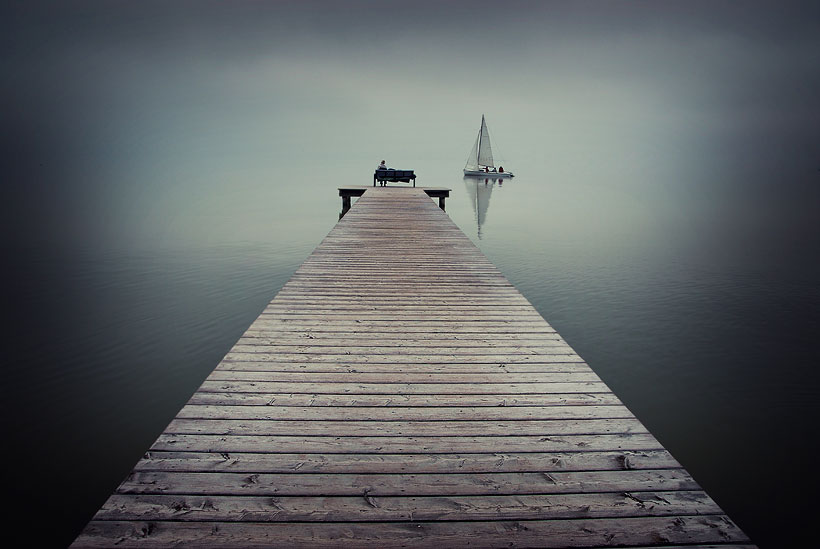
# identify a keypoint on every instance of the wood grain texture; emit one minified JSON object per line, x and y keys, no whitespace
{"x":400,"y":392}
{"x":593,"y":532}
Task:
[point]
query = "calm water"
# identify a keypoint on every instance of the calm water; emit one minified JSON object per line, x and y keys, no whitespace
{"x":713,"y":348}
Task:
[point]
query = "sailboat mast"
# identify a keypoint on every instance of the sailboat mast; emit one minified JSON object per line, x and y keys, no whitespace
{"x":478,"y":150}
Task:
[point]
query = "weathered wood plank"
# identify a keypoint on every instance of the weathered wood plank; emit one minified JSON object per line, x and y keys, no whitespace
{"x":405,"y":445}
{"x":411,"y":508}
{"x":404,"y":388}
{"x":389,"y":323}
{"x":404,"y":413}
{"x":314,"y":326}
{"x":507,"y":358}
{"x":363,"y":298}
{"x":405,"y":367}
{"x":407,"y":358}
{"x":357,"y":376}
{"x":357,"y":296}
{"x":420,"y":428}
{"x":429,"y":484}
{"x":501,"y":462}
{"x":431,"y":350}
{"x":509,"y":401}
{"x":380,"y":339}
{"x":398,"y":316}
{"x":535,"y":533}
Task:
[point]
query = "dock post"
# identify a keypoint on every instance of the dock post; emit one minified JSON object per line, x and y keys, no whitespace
{"x":347,"y":192}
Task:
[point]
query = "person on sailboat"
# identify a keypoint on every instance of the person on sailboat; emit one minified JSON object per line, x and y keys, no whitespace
{"x":501,"y":169}
{"x":486,"y":169}
{"x":382,"y":166}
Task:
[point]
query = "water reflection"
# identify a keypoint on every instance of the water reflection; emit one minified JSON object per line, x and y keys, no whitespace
{"x":479,"y":190}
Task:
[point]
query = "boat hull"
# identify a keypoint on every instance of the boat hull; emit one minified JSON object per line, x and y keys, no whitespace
{"x":479,"y":173}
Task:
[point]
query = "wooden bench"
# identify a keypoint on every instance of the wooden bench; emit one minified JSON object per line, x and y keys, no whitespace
{"x":391,"y":175}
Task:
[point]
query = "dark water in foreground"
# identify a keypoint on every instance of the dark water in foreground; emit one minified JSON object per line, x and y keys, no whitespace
{"x":705,"y":326}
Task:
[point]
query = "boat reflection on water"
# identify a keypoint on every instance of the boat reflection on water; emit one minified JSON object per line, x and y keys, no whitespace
{"x":479,"y":191}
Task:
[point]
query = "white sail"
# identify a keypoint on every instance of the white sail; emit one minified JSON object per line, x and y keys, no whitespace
{"x":472,"y":162}
{"x":485,"y":151}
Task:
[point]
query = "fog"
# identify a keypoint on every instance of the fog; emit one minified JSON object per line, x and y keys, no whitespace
{"x":139,"y":124}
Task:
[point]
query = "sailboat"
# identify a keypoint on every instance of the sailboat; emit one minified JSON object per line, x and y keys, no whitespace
{"x":480,"y":162}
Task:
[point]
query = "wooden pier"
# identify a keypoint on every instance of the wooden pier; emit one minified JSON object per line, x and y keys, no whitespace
{"x":400,"y":392}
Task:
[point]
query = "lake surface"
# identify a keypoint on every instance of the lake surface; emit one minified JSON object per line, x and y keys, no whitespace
{"x":706,"y":328}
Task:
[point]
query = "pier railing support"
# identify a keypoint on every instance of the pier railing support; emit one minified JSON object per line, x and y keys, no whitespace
{"x":348,"y":192}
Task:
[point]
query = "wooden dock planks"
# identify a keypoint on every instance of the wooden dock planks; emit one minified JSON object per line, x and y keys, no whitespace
{"x":399,"y":391}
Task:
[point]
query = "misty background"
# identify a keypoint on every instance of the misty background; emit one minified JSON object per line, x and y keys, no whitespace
{"x":166,"y":167}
